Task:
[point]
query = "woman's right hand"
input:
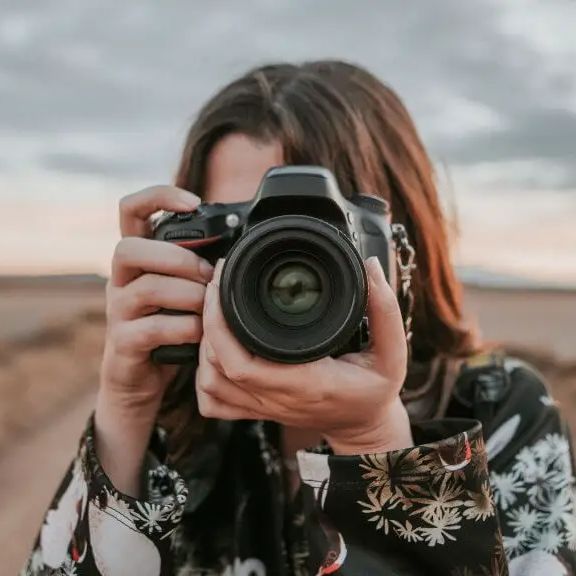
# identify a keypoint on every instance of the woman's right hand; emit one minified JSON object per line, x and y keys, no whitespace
{"x":146,"y":275}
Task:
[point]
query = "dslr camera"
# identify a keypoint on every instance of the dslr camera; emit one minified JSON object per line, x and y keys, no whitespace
{"x":293,"y":287}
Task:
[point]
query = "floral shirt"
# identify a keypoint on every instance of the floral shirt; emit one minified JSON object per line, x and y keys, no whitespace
{"x":487,"y":490}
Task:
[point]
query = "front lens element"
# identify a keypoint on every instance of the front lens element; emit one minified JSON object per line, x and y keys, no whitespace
{"x":295,"y":288}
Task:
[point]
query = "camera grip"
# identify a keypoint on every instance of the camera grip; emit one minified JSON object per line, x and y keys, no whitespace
{"x":178,"y":354}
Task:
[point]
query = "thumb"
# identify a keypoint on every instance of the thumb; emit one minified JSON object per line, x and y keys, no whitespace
{"x":386,"y":326}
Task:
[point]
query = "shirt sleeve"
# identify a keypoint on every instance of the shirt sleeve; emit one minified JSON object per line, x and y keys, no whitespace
{"x":453,"y":504}
{"x":531,"y":465}
{"x":91,"y":528}
{"x":421,"y":510}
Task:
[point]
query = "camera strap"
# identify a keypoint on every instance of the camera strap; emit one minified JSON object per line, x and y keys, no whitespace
{"x":405,"y":259}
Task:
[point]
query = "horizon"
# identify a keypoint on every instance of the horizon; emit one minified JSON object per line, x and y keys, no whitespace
{"x":470,"y":276}
{"x":99,"y":99}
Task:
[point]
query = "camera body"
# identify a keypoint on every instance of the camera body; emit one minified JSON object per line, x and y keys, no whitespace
{"x":293,"y":286}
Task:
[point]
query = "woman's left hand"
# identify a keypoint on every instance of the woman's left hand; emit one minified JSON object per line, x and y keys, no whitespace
{"x":352,"y":400}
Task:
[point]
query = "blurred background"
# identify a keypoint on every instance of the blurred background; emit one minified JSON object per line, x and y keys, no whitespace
{"x":96,"y":101}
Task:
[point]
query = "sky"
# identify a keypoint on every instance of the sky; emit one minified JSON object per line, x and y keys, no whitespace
{"x":96,"y":99}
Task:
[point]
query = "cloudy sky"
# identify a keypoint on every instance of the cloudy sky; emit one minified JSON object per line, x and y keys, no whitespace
{"x":96,"y":99}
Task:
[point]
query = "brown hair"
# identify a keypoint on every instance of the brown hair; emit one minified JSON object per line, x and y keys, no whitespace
{"x":339,"y":116}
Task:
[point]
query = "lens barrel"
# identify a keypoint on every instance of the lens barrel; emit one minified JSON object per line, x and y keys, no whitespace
{"x":293,"y":289}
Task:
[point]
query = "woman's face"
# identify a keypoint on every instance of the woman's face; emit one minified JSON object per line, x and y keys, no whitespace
{"x":236,"y":166}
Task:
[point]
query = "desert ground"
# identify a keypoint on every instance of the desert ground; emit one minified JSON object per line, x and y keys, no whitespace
{"x":51,"y":339}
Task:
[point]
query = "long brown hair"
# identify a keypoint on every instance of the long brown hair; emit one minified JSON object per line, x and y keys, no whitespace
{"x":339,"y":116}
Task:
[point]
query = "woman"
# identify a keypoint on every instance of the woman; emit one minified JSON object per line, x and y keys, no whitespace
{"x":401,"y":480}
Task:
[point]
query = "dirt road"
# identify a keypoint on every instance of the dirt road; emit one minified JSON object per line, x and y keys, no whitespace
{"x":47,"y":378}
{"x":29,"y":475}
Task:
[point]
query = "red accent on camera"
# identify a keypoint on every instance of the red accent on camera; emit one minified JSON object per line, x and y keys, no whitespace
{"x":199,"y":242}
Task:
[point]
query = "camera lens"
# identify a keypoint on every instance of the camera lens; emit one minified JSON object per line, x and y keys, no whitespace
{"x":293,"y":289}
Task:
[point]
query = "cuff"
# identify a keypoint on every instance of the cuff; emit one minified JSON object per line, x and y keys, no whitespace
{"x":428,"y":493}
{"x":165,"y":492}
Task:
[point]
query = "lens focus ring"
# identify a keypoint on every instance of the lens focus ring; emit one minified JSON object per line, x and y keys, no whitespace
{"x":293,"y":289}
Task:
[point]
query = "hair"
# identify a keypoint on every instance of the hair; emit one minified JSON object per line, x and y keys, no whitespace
{"x":340,"y":116}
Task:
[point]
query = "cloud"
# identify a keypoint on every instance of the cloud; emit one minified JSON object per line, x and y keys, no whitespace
{"x":539,"y":136}
{"x":482,"y":87}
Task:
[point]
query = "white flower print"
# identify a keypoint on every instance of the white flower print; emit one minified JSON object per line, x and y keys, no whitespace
{"x":538,"y":499}
{"x":541,"y":488}
{"x":505,"y":487}
{"x":556,"y":504}
{"x":549,"y":540}
{"x":569,"y":521}
{"x":524,"y":519}
{"x":150,"y":515}
{"x":553,"y":447}
{"x":527,"y":466}
{"x":515,"y":545}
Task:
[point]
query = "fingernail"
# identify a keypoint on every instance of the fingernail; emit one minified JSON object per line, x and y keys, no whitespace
{"x":206,"y":270}
{"x":218,"y":270}
{"x":375,"y":270}
{"x":210,"y":354}
{"x":207,"y":297}
{"x":188,"y":201}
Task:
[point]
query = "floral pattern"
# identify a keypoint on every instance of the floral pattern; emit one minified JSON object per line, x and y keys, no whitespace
{"x":61,"y":522}
{"x":419,"y":497}
{"x":451,"y":505}
{"x":537,"y":498}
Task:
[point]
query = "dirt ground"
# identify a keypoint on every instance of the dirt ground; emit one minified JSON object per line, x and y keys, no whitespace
{"x":50,"y":347}
{"x":29,"y":475}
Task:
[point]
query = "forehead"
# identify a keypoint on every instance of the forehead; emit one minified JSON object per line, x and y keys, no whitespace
{"x":236,"y":165}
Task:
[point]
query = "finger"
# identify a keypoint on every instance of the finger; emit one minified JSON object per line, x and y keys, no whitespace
{"x":144,"y":334}
{"x":150,"y":292}
{"x":136,"y":209}
{"x":239,"y":364}
{"x":135,"y":256}
{"x":385,"y":321}
{"x":209,"y":380}
{"x":209,"y":404}
{"x":211,"y":407}
{"x":218,"y":271}
{"x":364,"y":359}
{"x":225,"y":350}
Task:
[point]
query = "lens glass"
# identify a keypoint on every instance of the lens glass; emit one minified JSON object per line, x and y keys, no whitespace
{"x":295,"y":288}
